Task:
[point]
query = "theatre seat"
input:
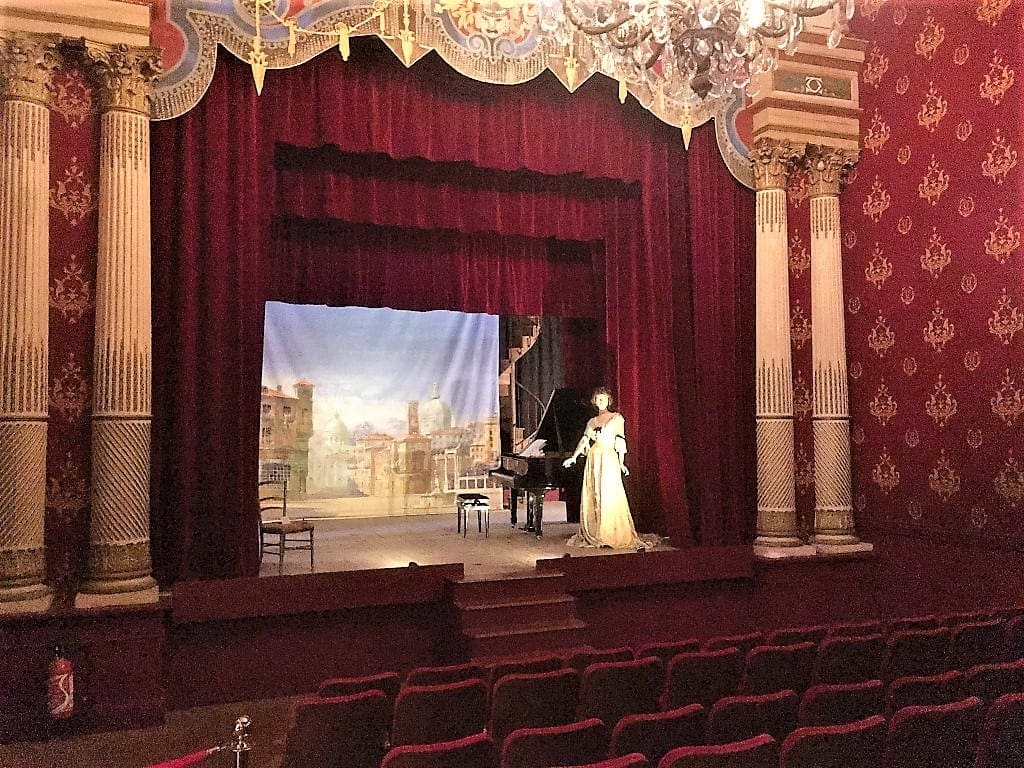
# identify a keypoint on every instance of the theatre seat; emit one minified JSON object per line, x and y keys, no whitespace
{"x":657,"y":733}
{"x":634,"y":760}
{"x":740,"y":717}
{"x":1001,"y":741}
{"x":338,"y":732}
{"x":584,"y":740}
{"x":849,"y":745}
{"x":477,"y":751}
{"x":703,"y":677}
{"x":537,"y":700}
{"x":613,"y":689}
{"x":761,"y":751}
{"x":425,"y":714}
{"x":928,"y":737}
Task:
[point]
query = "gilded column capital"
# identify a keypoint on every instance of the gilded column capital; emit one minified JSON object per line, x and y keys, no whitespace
{"x":828,"y":168}
{"x":125,"y":75}
{"x":771,"y":160}
{"x":26,"y":63}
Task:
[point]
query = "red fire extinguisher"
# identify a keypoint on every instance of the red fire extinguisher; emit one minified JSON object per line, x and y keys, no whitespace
{"x":60,"y":687}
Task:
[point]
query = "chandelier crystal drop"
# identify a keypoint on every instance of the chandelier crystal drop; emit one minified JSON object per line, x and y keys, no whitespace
{"x":687,"y":49}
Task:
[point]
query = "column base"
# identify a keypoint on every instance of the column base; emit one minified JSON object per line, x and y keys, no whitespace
{"x":835,"y":539}
{"x":777,"y":540}
{"x":775,"y":552}
{"x":96,"y":594}
{"x":855,"y":547}
{"x":36,"y":598}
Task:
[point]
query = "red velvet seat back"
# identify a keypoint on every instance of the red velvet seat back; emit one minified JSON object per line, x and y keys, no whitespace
{"x":744,"y":642}
{"x":425,"y":714}
{"x":850,"y":745}
{"x":928,"y":737}
{"x":703,"y":677}
{"x":338,"y":732}
{"x":792,"y":635}
{"x":533,"y":701}
{"x":990,"y":681}
{"x":477,"y":751}
{"x":585,"y":740}
{"x":735,"y":718}
{"x":771,"y":668}
{"x":761,"y":751}
{"x":849,"y":659}
{"x":581,"y":658}
{"x":923,"y":690}
{"x":610,"y":690}
{"x":914,"y":653}
{"x":449,"y":673}
{"x":823,"y":705}
{"x":532,"y":666}
{"x":657,"y":733}
{"x":388,"y":682}
{"x":634,"y":760}
{"x":1001,"y":741}
{"x":980,"y":642}
{"x":666,"y":651}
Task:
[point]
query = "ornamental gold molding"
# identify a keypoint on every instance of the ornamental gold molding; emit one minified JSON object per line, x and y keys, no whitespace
{"x":828,"y":168}
{"x":771,"y":161}
{"x":124,"y":74}
{"x":27,"y":62}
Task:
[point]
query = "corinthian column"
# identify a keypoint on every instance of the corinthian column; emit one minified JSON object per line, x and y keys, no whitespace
{"x":833,"y":511}
{"x":26,"y":63}
{"x":776,"y":493}
{"x":119,"y":567}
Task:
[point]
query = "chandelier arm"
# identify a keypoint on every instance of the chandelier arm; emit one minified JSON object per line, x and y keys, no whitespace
{"x":595,"y":29}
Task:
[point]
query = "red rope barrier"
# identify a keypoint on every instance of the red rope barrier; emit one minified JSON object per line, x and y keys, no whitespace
{"x":183,"y":762}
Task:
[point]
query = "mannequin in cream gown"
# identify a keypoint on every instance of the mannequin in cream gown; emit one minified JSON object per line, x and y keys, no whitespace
{"x":605,"y":520}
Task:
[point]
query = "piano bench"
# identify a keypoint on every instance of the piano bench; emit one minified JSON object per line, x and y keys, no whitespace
{"x":466,"y":503}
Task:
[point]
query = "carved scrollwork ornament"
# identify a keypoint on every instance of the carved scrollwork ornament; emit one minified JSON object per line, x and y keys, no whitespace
{"x":772,"y":161}
{"x":124,"y":75}
{"x":828,"y":168}
{"x":26,"y":63}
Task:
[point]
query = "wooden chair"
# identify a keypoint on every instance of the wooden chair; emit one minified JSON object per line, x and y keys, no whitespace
{"x":278,"y":532}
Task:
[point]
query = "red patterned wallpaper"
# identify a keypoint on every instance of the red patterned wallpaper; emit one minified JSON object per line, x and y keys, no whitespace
{"x":933,"y":273}
{"x":74,"y":184}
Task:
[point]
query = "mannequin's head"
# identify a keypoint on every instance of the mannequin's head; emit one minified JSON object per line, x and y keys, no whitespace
{"x":602,"y":399}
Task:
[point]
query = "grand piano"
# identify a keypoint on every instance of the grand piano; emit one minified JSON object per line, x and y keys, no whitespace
{"x":539,"y":468}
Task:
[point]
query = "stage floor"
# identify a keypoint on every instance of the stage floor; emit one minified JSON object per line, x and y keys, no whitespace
{"x":356,"y":544}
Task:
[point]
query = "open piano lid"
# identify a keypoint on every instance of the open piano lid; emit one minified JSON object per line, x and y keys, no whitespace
{"x":564,"y":420}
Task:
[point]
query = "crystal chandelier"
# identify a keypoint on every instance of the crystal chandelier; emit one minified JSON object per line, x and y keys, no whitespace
{"x":688,"y":49}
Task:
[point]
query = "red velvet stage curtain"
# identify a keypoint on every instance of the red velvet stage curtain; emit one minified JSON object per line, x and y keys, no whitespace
{"x":662,"y":277}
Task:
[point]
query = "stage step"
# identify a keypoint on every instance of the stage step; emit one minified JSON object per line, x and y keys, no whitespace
{"x":516,"y":617}
{"x":512,"y":589}
{"x":497,"y":617}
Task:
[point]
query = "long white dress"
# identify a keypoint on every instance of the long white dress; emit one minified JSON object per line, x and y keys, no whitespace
{"x":604,"y":511}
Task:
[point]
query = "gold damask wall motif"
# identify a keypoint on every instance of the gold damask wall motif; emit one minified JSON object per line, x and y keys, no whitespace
{"x":72,"y":295}
{"x":1003,"y":239}
{"x":998,"y":81}
{"x":1000,"y":160}
{"x":71,"y":96}
{"x":1006,"y":319}
{"x":74,"y":196}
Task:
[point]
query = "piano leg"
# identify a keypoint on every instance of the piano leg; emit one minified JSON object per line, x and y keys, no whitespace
{"x":535,"y":511}
{"x":513,"y":498}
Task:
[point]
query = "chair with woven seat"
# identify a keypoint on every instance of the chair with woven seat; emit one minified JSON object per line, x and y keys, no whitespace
{"x":741,"y":717}
{"x":823,"y":705}
{"x":534,"y":700}
{"x":338,"y":732}
{"x":761,"y":751}
{"x":610,"y":690}
{"x":426,"y":714}
{"x":476,"y":751}
{"x":584,"y":740}
{"x":931,"y":736}
{"x":655,"y":734}
{"x":848,"y":745}
{"x":278,"y":532}
{"x":703,"y":677}
{"x":1001,"y":740}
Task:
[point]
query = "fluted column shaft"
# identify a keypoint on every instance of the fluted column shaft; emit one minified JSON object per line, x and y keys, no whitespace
{"x":26,"y":63}
{"x":119,"y":565}
{"x":833,"y":510}
{"x":776,"y":494}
